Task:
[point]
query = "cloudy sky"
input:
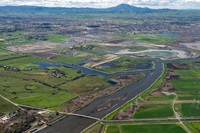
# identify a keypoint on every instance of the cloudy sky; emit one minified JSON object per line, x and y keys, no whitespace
{"x":175,"y":4}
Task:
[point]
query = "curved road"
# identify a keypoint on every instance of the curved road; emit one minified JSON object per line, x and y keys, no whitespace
{"x":75,"y":124}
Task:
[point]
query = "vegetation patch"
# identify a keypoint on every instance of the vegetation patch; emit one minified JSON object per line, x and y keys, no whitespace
{"x":194,"y":127}
{"x":57,"y":38}
{"x":32,"y":93}
{"x":112,"y":129}
{"x":6,"y":107}
{"x":71,"y":59}
{"x":149,"y":38}
{"x":86,"y":84}
{"x":189,"y":109}
{"x":186,"y":84}
{"x":188,"y":74}
{"x":154,"y":111}
{"x":125,"y":64}
{"x":152,"y":128}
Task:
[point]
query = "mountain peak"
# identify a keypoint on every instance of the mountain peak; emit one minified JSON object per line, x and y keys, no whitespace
{"x":124,"y":5}
{"x":124,"y":8}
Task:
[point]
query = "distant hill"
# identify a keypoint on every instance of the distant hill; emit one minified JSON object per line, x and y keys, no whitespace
{"x":122,"y":8}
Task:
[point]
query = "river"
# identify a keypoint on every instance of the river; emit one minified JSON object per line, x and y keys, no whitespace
{"x":74,"y":124}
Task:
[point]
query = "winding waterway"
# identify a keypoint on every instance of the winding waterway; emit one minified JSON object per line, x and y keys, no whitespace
{"x":88,"y":70}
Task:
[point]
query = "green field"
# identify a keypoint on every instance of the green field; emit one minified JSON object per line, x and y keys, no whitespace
{"x":6,"y":107}
{"x":160,"y":98}
{"x":22,"y":62}
{"x":154,"y":111}
{"x":189,"y":109}
{"x":186,"y":95}
{"x":152,"y":128}
{"x":86,"y":84}
{"x":124,"y":64}
{"x":188,"y":74}
{"x":112,"y":129}
{"x":149,"y":38}
{"x":57,"y":38}
{"x":29,"y":92}
{"x":16,"y":38}
{"x":187,"y":84}
{"x":194,"y":127}
{"x":71,"y":59}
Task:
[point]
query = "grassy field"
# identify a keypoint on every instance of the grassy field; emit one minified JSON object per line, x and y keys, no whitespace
{"x":112,"y":129}
{"x":194,"y":127}
{"x":12,"y":55}
{"x":187,"y":84}
{"x":189,"y":109}
{"x":188,"y":74}
{"x":45,"y":88}
{"x":71,"y":59}
{"x":187,"y":95}
{"x":21,"y":63}
{"x":86,"y":84}
{"x":32,"y":93}
{"x":160,"y":98}
{"x":57,"y":38}
{"x":189,"y":80}
{"x":154,"y":111}
{"x":149,"y":38}
{"x":151,"y":128}
{"x":125,"y":64}
{"x":15,"y":38}
{"x":6,"y":107}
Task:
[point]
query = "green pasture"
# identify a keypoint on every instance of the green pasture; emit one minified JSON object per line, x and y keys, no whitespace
{"x":154,"y":111}
{"x":32,"y":93}
{"x":189,"y":109}
{"x":152,"y":128}
{"x":149,"y":38}
{"x":86,"y":84}
{"x":57,"y":38}
{"x":71,"y":59}
{"x":6,"y":107}
{"x":194,"y":127}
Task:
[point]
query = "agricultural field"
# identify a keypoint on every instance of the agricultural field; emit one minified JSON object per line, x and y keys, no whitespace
{"x":164,"y":128}
{"x":137,"y":128}
{"x":154,"y":111}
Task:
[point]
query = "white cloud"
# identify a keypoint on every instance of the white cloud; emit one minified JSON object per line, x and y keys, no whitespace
{"x":106,"y":3}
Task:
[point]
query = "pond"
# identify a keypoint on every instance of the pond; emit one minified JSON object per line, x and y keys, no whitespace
{"x":195,"y":35}
{"x":160,"y":54}
{"x":170,"y":35}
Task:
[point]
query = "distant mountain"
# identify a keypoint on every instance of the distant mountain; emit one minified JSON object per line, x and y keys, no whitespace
{"x":125,"y":8}
{"x":122,"y":8}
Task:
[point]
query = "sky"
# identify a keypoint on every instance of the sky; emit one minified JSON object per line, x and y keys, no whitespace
{"x":173,"y":4}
